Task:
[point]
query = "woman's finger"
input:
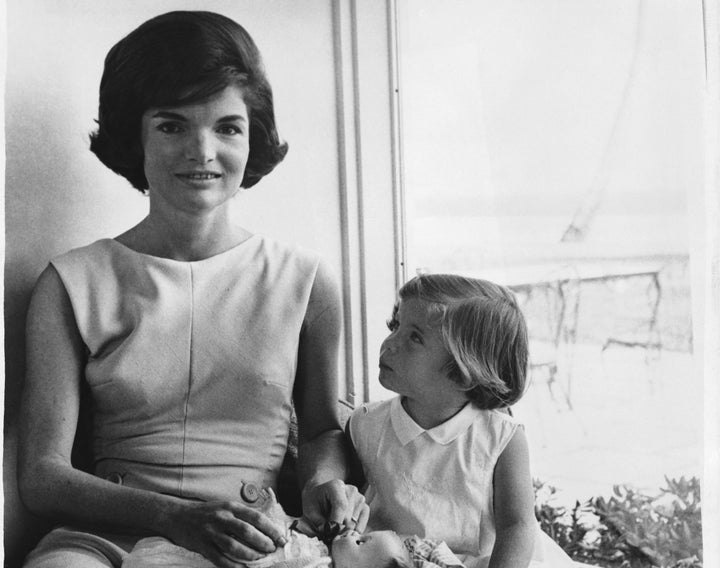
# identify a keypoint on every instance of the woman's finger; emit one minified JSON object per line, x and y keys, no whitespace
{"x":362,"y":516}
{"x":248,"y":533}
{"x":235,"y":551}
{"x":257,"y":529}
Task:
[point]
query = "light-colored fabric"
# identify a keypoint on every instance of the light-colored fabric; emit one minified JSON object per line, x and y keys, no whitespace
{"x":191,"y":367}
{"x":158,"y":551}
{"x":299,"y":552}
{"x":435,"y":484}
{"x":438,"y":484}
{"x":191,"y":364}
{"x":66,"y":547}
{"x":429,"y":553}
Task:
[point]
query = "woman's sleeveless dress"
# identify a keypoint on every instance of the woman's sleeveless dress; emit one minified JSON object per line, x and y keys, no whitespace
{"x":191,"y":365}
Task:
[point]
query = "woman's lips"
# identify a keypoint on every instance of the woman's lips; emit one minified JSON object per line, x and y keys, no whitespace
{"x":198,"y":176}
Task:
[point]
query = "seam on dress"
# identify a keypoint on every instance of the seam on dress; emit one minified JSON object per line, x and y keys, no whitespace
{"x":189,"y":379}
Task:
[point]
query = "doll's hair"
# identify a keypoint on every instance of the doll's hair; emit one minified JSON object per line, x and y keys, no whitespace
{"x":176,"y":59}
{"x":484,"y":331}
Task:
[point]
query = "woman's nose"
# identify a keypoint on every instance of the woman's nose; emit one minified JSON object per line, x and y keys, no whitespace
{"x":199,"y":148}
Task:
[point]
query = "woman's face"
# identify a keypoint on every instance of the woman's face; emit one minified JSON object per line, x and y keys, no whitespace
{"x":195,"y":155}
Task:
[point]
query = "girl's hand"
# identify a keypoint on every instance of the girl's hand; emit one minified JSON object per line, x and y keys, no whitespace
{"x":227,"y":533}
{"x":335,"y":502}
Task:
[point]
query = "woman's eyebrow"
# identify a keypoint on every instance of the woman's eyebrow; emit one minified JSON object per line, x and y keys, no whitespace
{"x":232,"y":117}
{"x":168,"y":114}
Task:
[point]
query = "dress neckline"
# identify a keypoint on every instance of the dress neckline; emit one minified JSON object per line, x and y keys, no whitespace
{"x":241,"y":245}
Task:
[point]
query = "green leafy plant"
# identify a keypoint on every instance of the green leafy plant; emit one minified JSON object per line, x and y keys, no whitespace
{"x":629,"y":529}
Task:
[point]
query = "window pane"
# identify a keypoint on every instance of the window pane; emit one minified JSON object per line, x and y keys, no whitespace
{"x":551,"y":146}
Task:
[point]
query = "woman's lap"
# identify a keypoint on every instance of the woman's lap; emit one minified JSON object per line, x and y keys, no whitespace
{"x":71,"y":548}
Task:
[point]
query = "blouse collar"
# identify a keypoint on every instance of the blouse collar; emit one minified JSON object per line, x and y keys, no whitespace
{"x":406,"y":429}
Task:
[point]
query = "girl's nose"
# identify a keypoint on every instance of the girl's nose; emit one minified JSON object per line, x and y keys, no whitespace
{"x":200,"y":148}
{"x":388,"y":345}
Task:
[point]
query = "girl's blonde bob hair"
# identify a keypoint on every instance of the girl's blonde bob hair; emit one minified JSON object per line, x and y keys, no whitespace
{"x":484,"y":331}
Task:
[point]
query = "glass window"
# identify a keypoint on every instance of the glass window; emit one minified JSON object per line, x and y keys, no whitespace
{"x":551,"y":146}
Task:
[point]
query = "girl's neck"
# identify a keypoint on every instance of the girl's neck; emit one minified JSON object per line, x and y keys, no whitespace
{"x":184,"y":237}
{"x":428,"y":416}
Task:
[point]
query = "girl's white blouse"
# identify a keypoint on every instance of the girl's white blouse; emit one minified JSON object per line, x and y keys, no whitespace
{"x":438,"y":483}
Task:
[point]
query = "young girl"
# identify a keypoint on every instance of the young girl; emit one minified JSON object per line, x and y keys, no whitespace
{"x":445,"y":459}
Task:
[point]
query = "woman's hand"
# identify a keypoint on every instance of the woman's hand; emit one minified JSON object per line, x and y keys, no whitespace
{"x":336,"y":502}
{"x":227,"y":533}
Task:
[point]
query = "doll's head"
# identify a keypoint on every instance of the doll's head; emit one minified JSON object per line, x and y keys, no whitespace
{"x":482,"y":331}
{"x":377,"y":549}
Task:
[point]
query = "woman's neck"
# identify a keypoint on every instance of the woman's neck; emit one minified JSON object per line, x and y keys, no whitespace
{"x":184,"y":237}
{"x":428,"y":416}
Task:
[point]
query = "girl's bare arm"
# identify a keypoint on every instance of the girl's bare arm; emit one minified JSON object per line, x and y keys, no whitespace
{"x":513,"y":501}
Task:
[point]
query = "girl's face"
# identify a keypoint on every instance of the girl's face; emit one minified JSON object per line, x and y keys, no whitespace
{"x":370,"y":550}
{"x":195,"y":155}
{"x":413,"y":357}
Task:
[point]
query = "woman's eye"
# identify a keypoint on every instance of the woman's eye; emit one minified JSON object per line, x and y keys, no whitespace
{"x":169,"y":127}
{"x":416,"y":337}
{"x":229,"y":130}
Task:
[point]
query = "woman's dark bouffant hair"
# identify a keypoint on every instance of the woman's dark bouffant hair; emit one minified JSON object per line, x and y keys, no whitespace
{"x":484,"y":331}
{"x":175,"y":59}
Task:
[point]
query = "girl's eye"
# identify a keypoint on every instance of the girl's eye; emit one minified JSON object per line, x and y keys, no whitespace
{"x":416,"y":337}
{"x":169,"y":127}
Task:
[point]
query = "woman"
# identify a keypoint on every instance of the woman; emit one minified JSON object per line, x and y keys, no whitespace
{"x":193,"y":335}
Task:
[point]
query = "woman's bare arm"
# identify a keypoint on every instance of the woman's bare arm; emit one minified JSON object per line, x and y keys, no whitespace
{"x":49,"y":484}
{"x":322,"y":457}
{"x":513,"y":502}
